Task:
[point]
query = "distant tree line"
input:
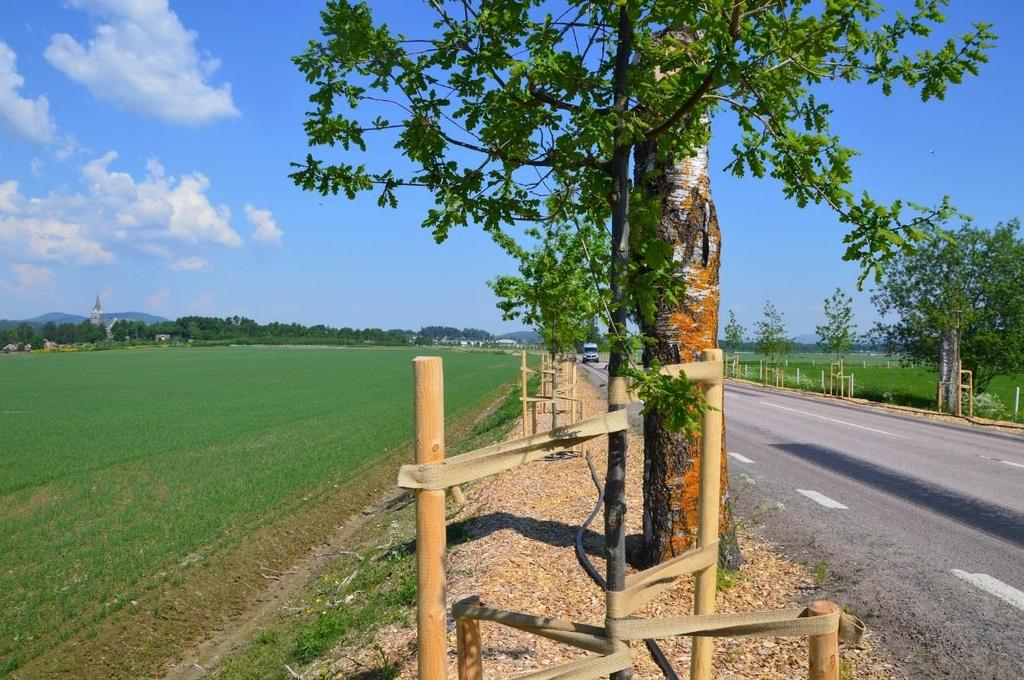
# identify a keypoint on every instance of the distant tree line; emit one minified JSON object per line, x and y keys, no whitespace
{"x":233,"y":329}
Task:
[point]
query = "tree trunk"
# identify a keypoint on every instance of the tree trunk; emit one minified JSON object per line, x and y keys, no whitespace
{"x":680,"y":330}
{"x":615,"y":477}
{"x":949,"y":365}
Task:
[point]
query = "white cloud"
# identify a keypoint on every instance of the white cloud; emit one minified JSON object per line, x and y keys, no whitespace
{"x":44,"y":235}
{"x":142,"y":59}
{"x":159,"y":301}
{"x":28,"y":280}
{"x":26,"y":118}
{"x":159,"y":206}
{"x":190,"y":264}
{"x":10,"y":198}
{"x":267,"y":230}
{"x":150,"y":214}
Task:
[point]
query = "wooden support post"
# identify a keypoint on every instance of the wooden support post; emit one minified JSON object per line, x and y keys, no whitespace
{"x":823,"y":650}
{"x":523,"y":376}
{"x":708,"y":511}
{"x":554,"y":393}
{"x":431,"y":617}
{"x":467,"y":641}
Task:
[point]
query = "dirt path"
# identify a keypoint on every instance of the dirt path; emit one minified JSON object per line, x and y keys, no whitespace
{"x":520,"y":556}
{"x":281,"y":588}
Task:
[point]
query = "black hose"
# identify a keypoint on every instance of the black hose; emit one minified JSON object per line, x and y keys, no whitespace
{"x":581,"y":556}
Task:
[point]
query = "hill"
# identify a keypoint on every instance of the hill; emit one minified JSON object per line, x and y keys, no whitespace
{"x":524,"y":337}
{"x":61,"y":317}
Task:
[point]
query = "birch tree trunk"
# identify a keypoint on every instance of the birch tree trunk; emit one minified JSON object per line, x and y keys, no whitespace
{"x":949,"y":376}
{"x":680,"y":330}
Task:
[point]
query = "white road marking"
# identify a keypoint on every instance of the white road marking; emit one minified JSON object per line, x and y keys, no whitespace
{"x":833,"y":420}
{"x":740,"y":457}
{"x":1000,"y":460}
{"x":822,"y":499}
{"x":993,"y":586}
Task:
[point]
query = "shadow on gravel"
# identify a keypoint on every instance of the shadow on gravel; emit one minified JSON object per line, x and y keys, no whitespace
{"x":556,"y":534}
{"x":992,"y":519}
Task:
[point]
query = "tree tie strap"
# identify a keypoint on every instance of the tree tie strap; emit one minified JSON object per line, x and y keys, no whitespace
{"x":507,"y":455}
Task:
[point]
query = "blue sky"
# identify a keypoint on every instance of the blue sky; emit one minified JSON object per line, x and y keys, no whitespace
{"x":144,"y":153}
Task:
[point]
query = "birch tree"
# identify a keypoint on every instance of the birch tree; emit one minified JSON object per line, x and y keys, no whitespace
{"x":513,"y":112}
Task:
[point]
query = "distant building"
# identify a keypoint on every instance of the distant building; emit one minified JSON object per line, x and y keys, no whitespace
{"x":96,"y":316}
{"x":162,"y":337}
{"x":506,"y":342}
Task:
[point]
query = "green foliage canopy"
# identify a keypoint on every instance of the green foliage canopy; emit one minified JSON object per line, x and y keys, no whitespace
{"x":770,"y":336}
{"x":974,"y":282}
{"x":733,"y":334}
{"x":838,"y":333}
{"x":526,"y":111}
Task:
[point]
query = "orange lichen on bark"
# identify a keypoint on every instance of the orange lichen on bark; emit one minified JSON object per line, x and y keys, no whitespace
{"x":681,"y":330}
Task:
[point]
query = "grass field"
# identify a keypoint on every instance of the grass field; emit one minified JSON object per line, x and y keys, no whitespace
{"x":878,"y":378}
{"x":120,"y":466}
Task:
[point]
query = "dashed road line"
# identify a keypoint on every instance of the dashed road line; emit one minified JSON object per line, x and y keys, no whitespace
{"x":740,"y":457}
{"x":1000,"y":460}
{"x":833,"y":420}
{"x":993,"y":586}
{"x":822,"y":499}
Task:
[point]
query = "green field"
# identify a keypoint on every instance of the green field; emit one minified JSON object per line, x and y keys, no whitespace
{"x":122,"y":468}
{"x":877,"y":377}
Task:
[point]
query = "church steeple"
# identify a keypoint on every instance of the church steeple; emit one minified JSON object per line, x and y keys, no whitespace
{"x":96,"y":318}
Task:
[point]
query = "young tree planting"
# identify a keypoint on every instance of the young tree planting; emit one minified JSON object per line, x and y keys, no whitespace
{"x":838,"y":333}
{"x":770,"y":338}
{"x":734,"y":333}
{"x":554,"y":291}
{"x":528,"y":112}
{"x":958,"y":300}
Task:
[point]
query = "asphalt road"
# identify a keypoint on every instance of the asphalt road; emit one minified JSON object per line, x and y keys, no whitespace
{"x":917,"y":526}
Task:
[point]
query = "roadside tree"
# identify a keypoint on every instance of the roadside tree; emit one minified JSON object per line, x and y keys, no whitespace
{"x":530,"y":112}
{"x":838,"y":333}
{"x":770,"y":338}
{"x":734,"y":332}
{"x":554,"y":291}
{"x":959,"y":299}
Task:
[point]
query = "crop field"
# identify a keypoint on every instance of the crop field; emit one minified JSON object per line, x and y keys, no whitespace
{"x":879,"y":378}
{"x":118,"y":467}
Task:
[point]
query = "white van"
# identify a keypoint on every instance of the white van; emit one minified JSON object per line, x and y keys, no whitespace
{"x":589,"y":352}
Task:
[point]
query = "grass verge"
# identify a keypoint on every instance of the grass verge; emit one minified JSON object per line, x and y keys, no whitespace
{"x":363,"y":590}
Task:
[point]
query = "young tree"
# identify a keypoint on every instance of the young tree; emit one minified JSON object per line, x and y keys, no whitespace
{"x":838,"y":333}
{"x":554,"y":291}
{"x":734,"y":332}
{"x":770,"y":338}
{"x":960,"y":299}
{"x":522,"y":111}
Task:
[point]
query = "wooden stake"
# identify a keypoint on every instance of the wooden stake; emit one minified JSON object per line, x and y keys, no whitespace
{"x":431,"y":619}
{"x":823,"y":650}
{"x":708,"y":511}
{"x":467,"y":641}
{"x":522,"y":390}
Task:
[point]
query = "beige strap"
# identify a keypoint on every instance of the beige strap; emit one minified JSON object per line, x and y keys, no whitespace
{"x":588,"y":668}
{"x":644,"y":586}
{"x":782,"y":622}
{"x":706,"y":372}
{"x":582,"y":635}
{"x":507,"y":455}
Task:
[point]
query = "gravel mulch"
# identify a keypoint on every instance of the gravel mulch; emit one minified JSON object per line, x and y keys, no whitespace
{"x":520,"y":529}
